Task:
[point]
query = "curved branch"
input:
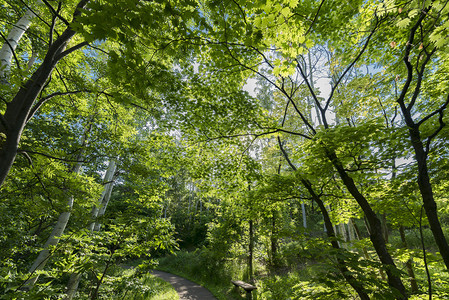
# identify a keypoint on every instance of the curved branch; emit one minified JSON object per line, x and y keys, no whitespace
{"x":440,"y":127}
{"x":48,"y":97}
{"x":315,"y":18}
{"x":56,"y":12}
{"x":70,"y":50}
{"x":25,"y":153}
{"x":406,"y":59}
{"x":365,"y":46}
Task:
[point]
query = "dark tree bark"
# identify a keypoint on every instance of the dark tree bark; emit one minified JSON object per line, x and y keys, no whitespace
{"x":251,"y":250}
{"x":416,"y":75}
{"x":353,"y":282}
{"x":21,"y":108}
{"x":375,"y":225}
{"x":425,"y":188}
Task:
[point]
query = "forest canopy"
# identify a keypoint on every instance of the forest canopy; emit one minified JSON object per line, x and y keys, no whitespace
{"x":299,"y":145}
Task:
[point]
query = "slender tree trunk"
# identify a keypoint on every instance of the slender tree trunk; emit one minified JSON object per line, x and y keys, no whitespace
{"x":13,"y":39}
{"x":274,"y":242}
{"x":343,"y":231}
{"x":375,"y":225}
{"x":97,"y":212}
{"x":53,"y":239}
{"x":425,"y":187}
{"x":409,"y":263}
{"x":251,"y":251}
{"x":353,"y":282}
{"x":19,"y":110}
{"x":72,"y":285}
{"x":359,"y":237}
{"x":385,"y":227}
{"x":100,"y":211}
{"x":415,"y":74}
{"x":105,"y":195}
{"x":351,"y":232}
{"x":304,"y":219}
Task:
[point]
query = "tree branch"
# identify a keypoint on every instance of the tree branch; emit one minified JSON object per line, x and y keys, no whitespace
{"x":442,"y":124}
{"x":39,"y":17}
{"x":406,"y":59}
{"x":53,"y":23}
{"x":365,"y":46}
{"x":315,"y":18}
{"x":70,"y":50}
{"x":286,"y":155}
{"x":48,"y":97}
{"x":25,"y":152}
{"x":56,"y":13}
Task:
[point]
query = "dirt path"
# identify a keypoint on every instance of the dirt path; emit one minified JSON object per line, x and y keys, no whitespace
{"x":186,"y":289}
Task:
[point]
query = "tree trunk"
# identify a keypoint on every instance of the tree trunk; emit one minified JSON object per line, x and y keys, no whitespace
{"x":72,"y":286}
{"x":356,"y":285}
{"x":104,"y":201}
{"x":353,"y":282}
{"x":8,"y":48}
{"x":385,"y":226}
{"x":375,"y":225}
{"x":359,"y":237}
{"x":351,"y":233}
{"x":409,"y":263}
{"x":343,"y":231}
{"x":53,"y":240}
{"x":251,"y":250}
{"x":18,"y":111}
{"x":425,"y":187}
{"x":304,"y":219}
{"x":274,"y":242}
{"x":421,"y":151}
{"x":54,"y":237}
{"x":97,"y":211}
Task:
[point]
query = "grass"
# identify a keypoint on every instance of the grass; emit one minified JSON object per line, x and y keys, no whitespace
{"x":199,"y":267}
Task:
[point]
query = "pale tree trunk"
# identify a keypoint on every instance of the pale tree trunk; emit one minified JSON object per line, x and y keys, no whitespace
{"x":304,"y":219}
{"x":312,"y":84}
{"x":31,"y":60}
{"x":97,"y":212}
{"x":107,"y":193}
{"x":10,"y":45}
{"x":342,"y":229}
{"x":359,"y":237}
{"x":351,"y":233}
{"x":53,"y":239}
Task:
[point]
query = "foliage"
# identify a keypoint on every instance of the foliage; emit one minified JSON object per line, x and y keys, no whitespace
{"x":328,"y":180}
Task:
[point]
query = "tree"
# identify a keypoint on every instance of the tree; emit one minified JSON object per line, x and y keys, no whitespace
{"x":19,"y":110}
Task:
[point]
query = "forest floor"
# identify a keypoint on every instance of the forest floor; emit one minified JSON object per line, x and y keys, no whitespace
{"x":186,"y":289}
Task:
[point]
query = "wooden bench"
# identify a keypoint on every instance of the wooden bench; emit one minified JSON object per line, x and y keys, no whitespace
{"x":246,"y":286}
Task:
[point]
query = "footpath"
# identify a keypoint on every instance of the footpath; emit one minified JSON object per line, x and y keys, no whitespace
{"x":186,"y":289}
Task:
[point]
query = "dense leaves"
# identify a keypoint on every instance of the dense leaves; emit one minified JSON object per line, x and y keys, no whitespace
{"x":297,"y":144}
